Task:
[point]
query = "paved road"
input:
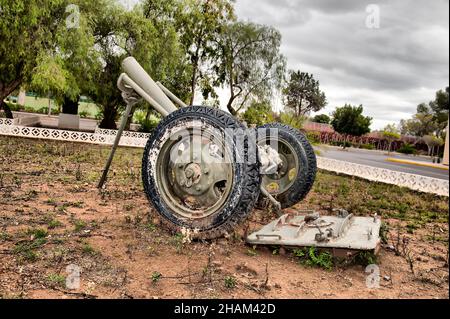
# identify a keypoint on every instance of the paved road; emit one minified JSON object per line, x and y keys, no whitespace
{"x":378,"y":159}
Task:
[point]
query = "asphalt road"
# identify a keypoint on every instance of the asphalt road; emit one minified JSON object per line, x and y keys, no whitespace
{"x":378,"y":159}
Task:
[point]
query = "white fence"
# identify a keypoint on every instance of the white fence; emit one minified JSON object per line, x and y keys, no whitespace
{"x":100,"y":136}
{"x":136,"y":139}
{"x":411,"y":181}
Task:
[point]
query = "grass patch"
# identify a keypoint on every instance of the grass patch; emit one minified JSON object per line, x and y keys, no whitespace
{"x":37,"y":233}
{"x":314,"y":258}
{"x":87,"y":249}
{"x":230,"y":282}
{"x":156,"y":276}
{"x":367,"y":198}
{"x":79,"y":225}
{"x":56,"y":280}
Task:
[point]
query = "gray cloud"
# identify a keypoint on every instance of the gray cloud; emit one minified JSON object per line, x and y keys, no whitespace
{"x":389,"y":70}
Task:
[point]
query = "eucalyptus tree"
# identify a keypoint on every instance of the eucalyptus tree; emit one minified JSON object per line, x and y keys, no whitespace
{"x":251,"y":64}
{"x":200,"y":23}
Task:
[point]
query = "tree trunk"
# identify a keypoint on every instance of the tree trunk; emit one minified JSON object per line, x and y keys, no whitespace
{"x":6,"y":108}
{"x":69,"y":106}
{"x":109,"y":118}
{"x":193,"y":81}
{"x":230,"y":106}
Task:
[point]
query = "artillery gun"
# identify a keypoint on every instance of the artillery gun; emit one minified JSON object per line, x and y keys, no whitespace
{"x":204,"y":171}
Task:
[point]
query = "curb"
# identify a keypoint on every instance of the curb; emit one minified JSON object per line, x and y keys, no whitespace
{"x":438,"y":166}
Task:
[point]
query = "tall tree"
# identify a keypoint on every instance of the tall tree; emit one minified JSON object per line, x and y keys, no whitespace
{"x":302,"y":94}
{"x":251,"y":64}
{"x":350,"y":120}
{"x":440,"y":110}
{"x":67,"y":69}
{"x":27,"y":28}
{"x":155,"y":45}
{"x":200,"y":23}
{"x":420,"y":125}
{"x":431,"y":118}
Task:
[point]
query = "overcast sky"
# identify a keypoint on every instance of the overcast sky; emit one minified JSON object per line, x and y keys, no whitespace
{"x":389,"y":69}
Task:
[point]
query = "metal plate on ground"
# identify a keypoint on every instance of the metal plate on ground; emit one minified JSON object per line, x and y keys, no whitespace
{"x":343,"y":231}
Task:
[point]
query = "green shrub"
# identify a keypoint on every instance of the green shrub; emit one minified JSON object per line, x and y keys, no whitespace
{"x":407,"y":149}
{"x":314,"y":258}
{"x":313,"y":137}
{"x":83,"y":114}
{"x":367,"y":146}
{"x":14,"y":107}
{"x":149,"y":125}
{"x":44,"y":110}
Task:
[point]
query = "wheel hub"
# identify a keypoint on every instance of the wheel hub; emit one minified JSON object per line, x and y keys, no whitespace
{"x":193,"y":174}
{"x":196,"y":177}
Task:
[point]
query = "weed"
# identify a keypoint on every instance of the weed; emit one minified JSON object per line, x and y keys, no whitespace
{"x":156,"y":276}
{"x":51,"y":202}
{"x":384,"y":232}
{"x":27,"y":249}
{"x":54,"y":223}
{"x":150,"y":226}
{"x":230,"y":282}
{"x":37,"y":233}
{"x":56,"y":279}
{"x":178,"y":242}
{"x":5,"y":236}
{"x":314,"y":258}
{"x":252,"y":252}
{"x":79,"y":225}
{"x":366,"y":258}
{"x":88,"y":249}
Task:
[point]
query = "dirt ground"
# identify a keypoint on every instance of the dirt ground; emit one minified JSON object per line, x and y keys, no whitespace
{"x":52,"y":216}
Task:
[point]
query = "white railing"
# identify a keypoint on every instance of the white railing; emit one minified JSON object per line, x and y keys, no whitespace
{"x":415,"y":182}
{"x":100,"y":136}
{"x":6,"y":121}
{"x":136,"y":139}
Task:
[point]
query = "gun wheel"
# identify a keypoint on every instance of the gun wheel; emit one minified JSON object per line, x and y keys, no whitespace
{"x":296,"y":174}
{"x":197,"y":175}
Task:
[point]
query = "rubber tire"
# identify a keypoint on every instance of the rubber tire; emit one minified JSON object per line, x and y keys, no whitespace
{"x":244,"y":192}
{"x":307,"y":159}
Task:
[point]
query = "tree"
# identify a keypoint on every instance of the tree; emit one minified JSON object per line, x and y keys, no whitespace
{"x":391,"y":134}
{"x":118,"y":34}
{"x":258,"y":113}
{"x":420,"y":125}
{"x":432,"y":141}
{"x":27,"y":28}
{"x":250,"y":64}
{"x":440,"y":110}
{"x":431,"y":118}
{"x":200,"y":23}
{"x":350,"y":120}
{"x":67,"y":70}
{"x":322,"y":118}
{"x":302,"y":94}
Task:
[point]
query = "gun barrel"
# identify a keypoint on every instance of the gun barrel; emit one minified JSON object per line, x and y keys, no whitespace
{"x":138,"y":75}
